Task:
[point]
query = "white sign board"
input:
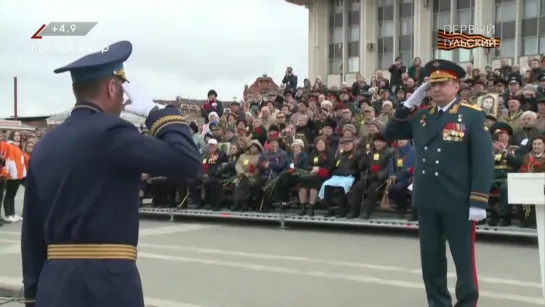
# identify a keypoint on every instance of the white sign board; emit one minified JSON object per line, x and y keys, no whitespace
{"x":529,"y":189}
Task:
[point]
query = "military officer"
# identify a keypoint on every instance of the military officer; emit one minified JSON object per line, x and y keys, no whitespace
{"x":453,"y":174}
{"x":80,"y":231}
{"x":501,"y":133}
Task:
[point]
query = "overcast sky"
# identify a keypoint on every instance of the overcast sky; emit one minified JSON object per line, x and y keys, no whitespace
{"x":180,"y":47}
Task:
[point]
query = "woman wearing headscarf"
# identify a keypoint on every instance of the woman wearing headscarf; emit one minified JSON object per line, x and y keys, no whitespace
{"x":247,"y":172}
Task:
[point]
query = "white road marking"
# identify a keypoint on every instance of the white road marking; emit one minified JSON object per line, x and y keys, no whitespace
{"x":10,"y":241}
{"x":155,"y":231}
{"x":368,"y":266}
{"x":190,"y":227}
{"x":16,"y":282}
{"x":144,"y":232}
{"x":347,"y":277}
{"x":155,"y":302}
{"x":10,"y":250}
{"x":10,"y":233}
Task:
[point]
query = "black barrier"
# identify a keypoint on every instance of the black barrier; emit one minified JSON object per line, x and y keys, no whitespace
{"x":287,"y":218}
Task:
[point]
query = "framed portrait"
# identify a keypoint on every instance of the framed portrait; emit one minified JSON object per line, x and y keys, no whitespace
{"x":489,"y":103}
{"x":224,"y":147}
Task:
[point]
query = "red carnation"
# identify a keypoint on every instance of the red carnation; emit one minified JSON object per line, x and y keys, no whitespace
{"x":204,"y":168}
{"x":395,"y":145}
{"x":322,"y":173}
{"x":251,"y":169}
{"x":257,"y":130}
{"x":411,"y":171}
{"x":291,"y":171}
{"x":375,"y":168}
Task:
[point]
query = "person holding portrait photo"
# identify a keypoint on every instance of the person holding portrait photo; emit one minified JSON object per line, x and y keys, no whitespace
{"x":488,"y":103}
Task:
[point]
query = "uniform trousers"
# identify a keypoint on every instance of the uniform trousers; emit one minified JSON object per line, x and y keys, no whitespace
{"x":213,"y":191}
{"x":90,"y":283}
{"x":266,"y":199}
{"x":459,"y":231}
{"x":504,"y":209}
{"x":371,"y":189}
{"x":398,"y":193}
{"x":161,"y":192}
{"x":12,"y":186}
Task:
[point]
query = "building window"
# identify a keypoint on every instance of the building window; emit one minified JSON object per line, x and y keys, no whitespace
{"x":441,"y":18}
{"x":465,"y":16}
{"x":335,"y":36}
{"x":386,"y":33}
{"x":354,"y":29}
{"x":506,"y":17}
{"x":406,"y":23}
{"x":533,"y":27}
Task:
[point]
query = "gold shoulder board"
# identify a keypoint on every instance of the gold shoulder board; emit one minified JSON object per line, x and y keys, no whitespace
{"x":471,"y":106}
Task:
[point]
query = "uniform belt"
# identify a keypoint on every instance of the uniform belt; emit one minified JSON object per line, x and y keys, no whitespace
{"x":91,"y":251}
{"x":502,"y":167}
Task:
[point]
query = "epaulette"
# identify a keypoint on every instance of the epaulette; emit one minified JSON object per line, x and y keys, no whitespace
{"x":471,"y":106}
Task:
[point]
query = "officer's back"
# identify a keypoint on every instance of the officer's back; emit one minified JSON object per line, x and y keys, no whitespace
{"x":87,"y":189}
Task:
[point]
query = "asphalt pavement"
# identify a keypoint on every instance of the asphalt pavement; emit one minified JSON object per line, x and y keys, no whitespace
{"x":203,"y":264}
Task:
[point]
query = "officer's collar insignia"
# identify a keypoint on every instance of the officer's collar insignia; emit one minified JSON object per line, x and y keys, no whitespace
{"x":432,"y":110}
{"x":454,"y":109}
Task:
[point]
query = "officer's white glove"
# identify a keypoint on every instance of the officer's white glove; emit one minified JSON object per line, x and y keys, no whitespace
{"x":417,"y":96}
{"x":141,"y":104}
{"x":477,"y":214}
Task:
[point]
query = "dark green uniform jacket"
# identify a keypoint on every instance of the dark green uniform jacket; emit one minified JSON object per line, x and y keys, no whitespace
{"x":453,"y":168}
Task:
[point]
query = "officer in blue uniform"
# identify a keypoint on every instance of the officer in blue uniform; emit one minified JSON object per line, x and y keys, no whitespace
{"x":80,"y":230}
{"x":453,"y":174}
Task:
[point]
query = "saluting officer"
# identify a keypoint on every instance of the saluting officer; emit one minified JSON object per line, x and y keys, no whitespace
{"x":453,"y":174}
{"x":80,"y":230}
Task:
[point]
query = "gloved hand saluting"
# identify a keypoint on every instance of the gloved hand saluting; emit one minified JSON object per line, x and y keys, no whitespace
{"x":417,"y":96}
{"x":141,"y":104}
{"x":477,"y":214}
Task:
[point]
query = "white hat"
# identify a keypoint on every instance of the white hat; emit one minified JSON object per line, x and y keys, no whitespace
{"x":212,"y":142}
{"x":298,"y":142}
{"x":212,"y":114}
{"x":326,"y":104}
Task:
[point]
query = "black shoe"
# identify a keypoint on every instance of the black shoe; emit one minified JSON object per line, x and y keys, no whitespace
{"x":366,"y":216}
{"x":493,"y":222}
{"x":303,"y":210}
{"x":329,"y":213}
{"x":310,"y":210}
{"x":400,"y":215}
{"x":504,"y":222}
{"x":412,"y":217}
{"x":351,"y":215}
{"x":341,"y":215}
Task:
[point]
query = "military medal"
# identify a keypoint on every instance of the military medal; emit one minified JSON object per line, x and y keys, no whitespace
{"x":423,"y":120}
{"x":460,"y":118}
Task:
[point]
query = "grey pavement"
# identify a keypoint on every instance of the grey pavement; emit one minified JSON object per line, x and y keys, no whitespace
{"x":190,"y":264}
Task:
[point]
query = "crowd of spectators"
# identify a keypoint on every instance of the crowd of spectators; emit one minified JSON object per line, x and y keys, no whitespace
{"x":15,"y":149}
{"x":309,"y":146}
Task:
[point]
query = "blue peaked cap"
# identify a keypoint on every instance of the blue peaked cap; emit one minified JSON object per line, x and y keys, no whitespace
{"x":100,"y":64}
